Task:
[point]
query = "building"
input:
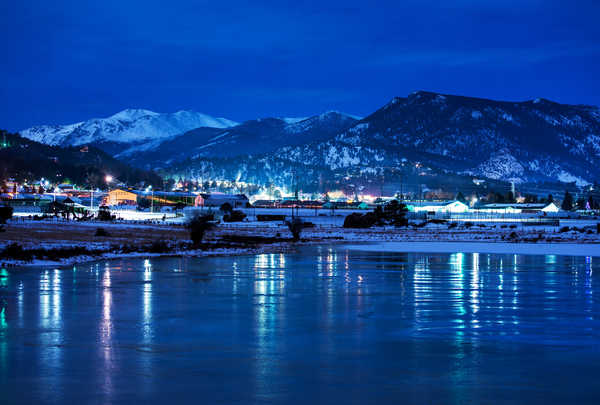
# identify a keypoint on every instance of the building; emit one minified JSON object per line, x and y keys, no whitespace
{"x":218,"y":199}
{"x":519,"y":208}
{"x":434,"y":207}
{"x":121,"y":197}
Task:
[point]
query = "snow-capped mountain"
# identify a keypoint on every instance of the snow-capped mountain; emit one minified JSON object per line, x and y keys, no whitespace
{"x":126,"y":132}
{"x":254,"y":137}
{"x":520,"y":142}
{"x":423,"y":136}
{"x":530,"y":141}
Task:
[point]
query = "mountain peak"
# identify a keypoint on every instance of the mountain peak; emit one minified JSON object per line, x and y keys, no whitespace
{"x":131,"y":114}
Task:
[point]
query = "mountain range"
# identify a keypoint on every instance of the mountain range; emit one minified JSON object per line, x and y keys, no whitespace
{"x":126,"y":132}
{"x":423,"y":137}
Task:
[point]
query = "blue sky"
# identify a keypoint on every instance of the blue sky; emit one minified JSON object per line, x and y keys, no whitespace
{"x":67,"y":61}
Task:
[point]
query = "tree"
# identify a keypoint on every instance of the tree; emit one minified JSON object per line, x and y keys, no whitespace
{"x":510,"y":197}
{"x":580,"y":203}
{"x":567,"y":204}
{"x":461,"y":197}
{"x":198,"y":225}
{"x":531,"y":198}
{"x":550,"y":199}
{"x":591,"y":203}
{"x":6,"y":213}
{"x":395,"y":213}
{"x":226,"y":208}
{"x":296,"y":225}
{"x":144,"y":203}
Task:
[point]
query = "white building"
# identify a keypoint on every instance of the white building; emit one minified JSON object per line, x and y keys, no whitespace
{"x":445,"y":207}
{"x":516,"y":208}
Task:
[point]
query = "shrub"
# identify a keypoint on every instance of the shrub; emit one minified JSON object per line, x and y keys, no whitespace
{"x":513,"y":235}
{"x":564,"y":229}
{"x":513,"y":226}
{"x":234,"y":216}
{"x":16,"y":252}
{"x":226,"y":207}
{"x":6,"y":213}
{"x":598,"y":227}
{"x":198,"y":225}
{"x":296,"y":225}
{"x":104,"y":214}
{"x":468,"y":224}
{"x":159,"y":246}
{"x":452,"y":225}
{"x":357,"y":220}
{"x":101,"y":232}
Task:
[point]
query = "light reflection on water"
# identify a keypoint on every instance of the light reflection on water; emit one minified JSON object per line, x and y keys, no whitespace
{"x":327,"y":323}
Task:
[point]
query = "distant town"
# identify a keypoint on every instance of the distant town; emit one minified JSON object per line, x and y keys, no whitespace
{"x":41,"y":197}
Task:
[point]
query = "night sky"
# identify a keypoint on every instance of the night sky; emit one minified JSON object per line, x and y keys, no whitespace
{"x":65,"y":61}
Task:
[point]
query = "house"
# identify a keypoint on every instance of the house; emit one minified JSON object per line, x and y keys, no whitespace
{"x":121,"y":197}
{"x":65,"y":187}
{"x":434,"y":207}
{"x":265,"y":204}
{"x":519,"y":208}
{"x":218,"y":199}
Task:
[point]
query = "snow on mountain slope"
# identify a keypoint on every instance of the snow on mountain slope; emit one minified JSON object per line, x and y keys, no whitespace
{"x":254,"y":137}
{"x":531,"y":141}
{"x":134,"y":129}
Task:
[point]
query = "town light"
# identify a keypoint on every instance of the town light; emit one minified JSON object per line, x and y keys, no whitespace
{"x":108,"y":178}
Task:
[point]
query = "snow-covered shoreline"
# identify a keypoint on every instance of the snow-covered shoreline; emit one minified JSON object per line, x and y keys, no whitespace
{"x":125,"y":240}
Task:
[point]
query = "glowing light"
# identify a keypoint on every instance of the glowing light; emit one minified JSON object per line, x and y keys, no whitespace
{"x":108,"y":178}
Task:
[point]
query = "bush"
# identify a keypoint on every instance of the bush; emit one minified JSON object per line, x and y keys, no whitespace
{"x":6,"y":213}
{"x":158,"y":246}
{"x":101,"y":232}
{"x":564,"y":229}
{"x":16,"y":252}
{"x":296,"y":225}
{"x":226,"y":207}
{"x":357,"y":220}
{"x":598,"y":227}
{"x":452,"y":225}
{"x":468,"y":224}
{"x":104,"y":214}
{"x":198,"y":225}
{"x":513,"y":235}
{"x":234,"y":216}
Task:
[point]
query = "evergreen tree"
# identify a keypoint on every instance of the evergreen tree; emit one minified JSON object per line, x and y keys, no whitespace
{"x":567,"y":204}
{"x":460,"y":197}
{"x":550,"y":199}
{"x":510,"y":198}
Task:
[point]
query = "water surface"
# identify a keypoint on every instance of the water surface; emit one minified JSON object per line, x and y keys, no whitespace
{"x":324,"y":325}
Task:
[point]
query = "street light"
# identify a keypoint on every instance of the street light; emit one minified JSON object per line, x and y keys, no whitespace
{"x":151,"y":198}
{"x":108,"y":178}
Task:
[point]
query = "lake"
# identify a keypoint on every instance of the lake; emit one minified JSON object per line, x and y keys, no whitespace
{"x":322,"y":325}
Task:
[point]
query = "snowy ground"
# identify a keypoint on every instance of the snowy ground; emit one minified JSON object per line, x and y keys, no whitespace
{"x":498,"y":238}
